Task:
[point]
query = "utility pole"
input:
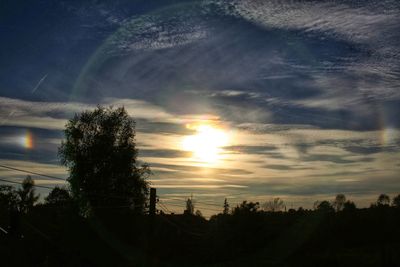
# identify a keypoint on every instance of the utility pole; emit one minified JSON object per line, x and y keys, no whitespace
{"x":153,"y":195}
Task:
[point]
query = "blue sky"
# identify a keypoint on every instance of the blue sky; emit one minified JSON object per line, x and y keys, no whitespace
{"x":308,"y":91}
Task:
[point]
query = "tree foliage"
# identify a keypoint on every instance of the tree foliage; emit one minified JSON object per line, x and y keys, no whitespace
{"x":349,"y":206}
{"x":246,"y":208}
{"x":339,"y":202}
{"x":226,"y":207}
{"x":27,"y":195}
{"x":396,"y":201}
{"x":383,"y":200}
{"x":274,"y":205}
{"x":324,"y":206}
{"x":58,"y":196}
{"x":100,"y":151}
{"x":189,"y":206}
{"x":8,"y":197}
{"x":198,"y":213}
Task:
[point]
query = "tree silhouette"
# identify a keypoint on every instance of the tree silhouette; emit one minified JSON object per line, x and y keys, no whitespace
{"x":100,"y":151}
{"x":383,"y":200}
{"x":27,"y":195}
{"x":8,"y":198}
{"x":274,"y":205}
{"x":189,"y":207}
{"x":198,"y":213}
{"x":339,"y":202}
{"x":246,"y":208}
{"x":349,"y":206}
{"x":324,"y":206}
{"x":396,"y":201}
{"x":226,"y":207}
{"x":58,"y":196}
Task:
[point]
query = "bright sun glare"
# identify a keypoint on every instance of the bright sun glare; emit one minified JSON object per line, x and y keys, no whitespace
{"x":206,"y":145}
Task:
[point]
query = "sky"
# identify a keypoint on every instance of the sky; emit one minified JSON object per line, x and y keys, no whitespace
{"x":236,"y":99}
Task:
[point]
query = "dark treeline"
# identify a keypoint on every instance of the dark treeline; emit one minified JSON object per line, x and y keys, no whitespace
{"x":333,"y":233}
{"x":102,"y":218}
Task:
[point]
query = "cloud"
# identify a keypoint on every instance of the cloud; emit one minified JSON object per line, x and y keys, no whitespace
{"x":54,"y":115}
{"x":192,"y":186}
{"x":164,"y":153}
{"x":251,"y":149}
{"x":359,"y":79}
{"x":359,"y":23}
{"x":147,"y":33}
{"x":282,"y":167}
{"x":330,"y":158}
{"x":199,"y":170}
{"x":370,"y":149}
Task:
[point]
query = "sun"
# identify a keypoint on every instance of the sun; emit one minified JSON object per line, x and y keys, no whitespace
{"x":206,"y":145}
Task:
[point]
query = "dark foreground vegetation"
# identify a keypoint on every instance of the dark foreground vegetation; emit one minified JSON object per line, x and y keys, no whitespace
{"x":55,"y":234}
{"x":104,"y":217}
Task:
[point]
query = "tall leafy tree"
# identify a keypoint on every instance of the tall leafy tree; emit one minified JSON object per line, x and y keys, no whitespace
{"x":100,"y":151}
{"x":27,"y":195}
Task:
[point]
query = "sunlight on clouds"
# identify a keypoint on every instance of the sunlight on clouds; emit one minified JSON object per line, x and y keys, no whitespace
{"x":206,"y":145}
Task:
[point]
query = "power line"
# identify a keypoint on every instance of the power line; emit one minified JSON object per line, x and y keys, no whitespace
{"x":179,"y":227}
{"x":3,"y":230}
{"x":50,"y":177}
{"x":51,"y":188}
{"x":163,"y":209}
{"x":39,"y":231}
{"x":182,"y":206}
{"x":20,"y":183}
{"x":197,"y":201}
{"x":207,"y":203}
{"x":30,"y":172}
{"x":229,"y":195}
{"x":163,"y":206}
{"x":204,"y":203}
